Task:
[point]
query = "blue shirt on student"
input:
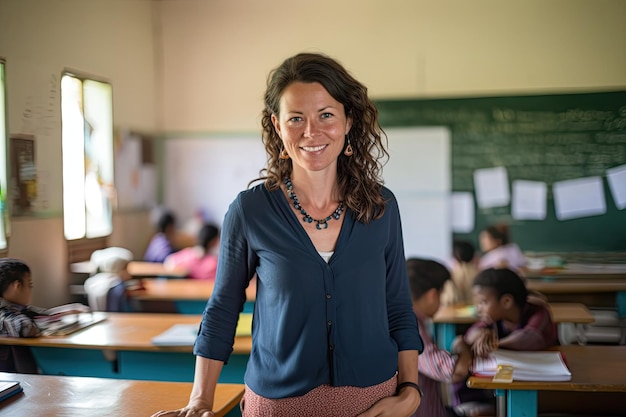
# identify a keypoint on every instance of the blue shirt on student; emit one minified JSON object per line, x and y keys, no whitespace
{"x":339,"y":323}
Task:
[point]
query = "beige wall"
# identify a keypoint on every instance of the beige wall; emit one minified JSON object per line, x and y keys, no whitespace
{"x":110,"y":39}
{"x":216,"y":54}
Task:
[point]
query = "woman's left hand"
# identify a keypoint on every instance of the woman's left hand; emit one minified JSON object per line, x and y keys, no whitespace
{"x":401,"y":405}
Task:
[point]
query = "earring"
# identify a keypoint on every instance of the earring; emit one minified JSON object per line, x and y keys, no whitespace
{"x":348,"y":151}
{"x":284,"y":154}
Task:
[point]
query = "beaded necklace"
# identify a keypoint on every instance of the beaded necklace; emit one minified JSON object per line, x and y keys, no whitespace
{"x":320,"y":224}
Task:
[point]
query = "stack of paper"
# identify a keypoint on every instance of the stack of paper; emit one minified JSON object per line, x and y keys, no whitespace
{"x":527,"y":366}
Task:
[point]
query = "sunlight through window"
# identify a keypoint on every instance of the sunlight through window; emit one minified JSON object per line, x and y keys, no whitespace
{"x":87,"y":119}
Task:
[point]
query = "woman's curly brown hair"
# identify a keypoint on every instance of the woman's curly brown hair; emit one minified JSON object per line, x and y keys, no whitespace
{"x":359,"y":176}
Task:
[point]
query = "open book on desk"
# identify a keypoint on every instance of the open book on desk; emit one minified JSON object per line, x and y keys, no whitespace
{"x":185,"y":334}
{"x":527,"y":365}
{"x":63,"y":325}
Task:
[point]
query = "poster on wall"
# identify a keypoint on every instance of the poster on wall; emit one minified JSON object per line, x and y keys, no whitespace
{"x":23,"y":176}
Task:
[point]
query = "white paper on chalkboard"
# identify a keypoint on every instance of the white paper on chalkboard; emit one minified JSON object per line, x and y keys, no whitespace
{"x":462,"y":207}
{"x":617,"y":182}
{"x":582,"y":197}
{"x":492,"y":187}
{"x":529,"y":200}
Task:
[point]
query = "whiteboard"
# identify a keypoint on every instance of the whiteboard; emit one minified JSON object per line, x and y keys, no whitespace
{"x":419,"y":174}
{"x":208,"y":172}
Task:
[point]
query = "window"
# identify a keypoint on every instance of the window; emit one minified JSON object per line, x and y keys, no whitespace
{"x":3,"y":160}
{"x":87,"y":130}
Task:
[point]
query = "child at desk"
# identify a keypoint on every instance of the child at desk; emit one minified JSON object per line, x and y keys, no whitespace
{"x":499,"y":251}
{"x":426,"y":280}
{"x":17,"y":316}
{"x":162,"y":243}
{"x":463,"y":269}
{"x":199,"y":261}
{"x":510,"y":318}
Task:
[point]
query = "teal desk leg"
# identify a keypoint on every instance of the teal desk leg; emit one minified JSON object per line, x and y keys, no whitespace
{"x":500,"y":403}
{"x":521,"y":403}
{"x":445,"y":334}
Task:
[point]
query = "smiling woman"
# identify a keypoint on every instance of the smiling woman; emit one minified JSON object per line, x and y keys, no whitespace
{"x":323,"y":237}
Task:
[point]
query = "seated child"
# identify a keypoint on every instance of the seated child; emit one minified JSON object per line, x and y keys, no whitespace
{"x":162,"y":243}
{"x":464,"y":268}
{"x":108,"y":290}
{"x":17,"y":316}
{"x":199,"y":261}
{"x":426,"y":280}
{"x":499,"y":251}
{"x":510,"y":318}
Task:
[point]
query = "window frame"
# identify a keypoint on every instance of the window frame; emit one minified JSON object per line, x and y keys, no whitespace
{"x":4,"y":144}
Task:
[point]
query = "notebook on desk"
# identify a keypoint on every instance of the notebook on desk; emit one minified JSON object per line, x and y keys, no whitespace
{"x":9,"y":389}
{"x":527,"y":366}
{"x":68,"y":324}
{"x":185,"y":334}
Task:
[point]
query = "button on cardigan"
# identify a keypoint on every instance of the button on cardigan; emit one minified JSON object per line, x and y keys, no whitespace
{"x":338,"y":323}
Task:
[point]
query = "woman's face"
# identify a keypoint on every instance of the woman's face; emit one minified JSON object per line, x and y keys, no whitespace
{"x":312,"y":126}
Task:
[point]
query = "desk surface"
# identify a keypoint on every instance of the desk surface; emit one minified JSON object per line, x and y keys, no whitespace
{"x":183,"y":289}
{"x":561,"y":313}
{"x":125,"y":331}
{"x":560,"y":285}
{"x":136,"y":269}
{"x":582,"y":271}
{"x":593,"y":368}
{"x":75,"y":396}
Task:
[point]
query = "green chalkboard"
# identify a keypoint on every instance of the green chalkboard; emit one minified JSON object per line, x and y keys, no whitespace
{"x":545,"y":138}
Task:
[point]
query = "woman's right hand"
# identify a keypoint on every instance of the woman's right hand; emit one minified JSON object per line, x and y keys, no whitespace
{"x":191,"y":410}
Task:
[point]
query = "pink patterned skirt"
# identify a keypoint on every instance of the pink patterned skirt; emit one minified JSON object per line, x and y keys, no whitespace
{"x":323,"y":401}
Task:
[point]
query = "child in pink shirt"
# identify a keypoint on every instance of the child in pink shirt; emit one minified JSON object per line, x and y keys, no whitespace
{"x":199,"y":261}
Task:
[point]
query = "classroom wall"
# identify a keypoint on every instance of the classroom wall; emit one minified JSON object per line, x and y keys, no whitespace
{"x":216,"y":54}
{"x":110,"y":39}
{"x":199,"y":67}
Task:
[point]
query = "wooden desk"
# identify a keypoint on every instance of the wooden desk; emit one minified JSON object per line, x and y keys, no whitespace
{"x":121,"y":347}
{"x":593,"y":368}
{"x":137,"y":269}
{"x":596,"y":292}
{"x":188,"y":295}
{"x":448,"y":317}
{"x":586,"y":272}
{"x":46,"y":395}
